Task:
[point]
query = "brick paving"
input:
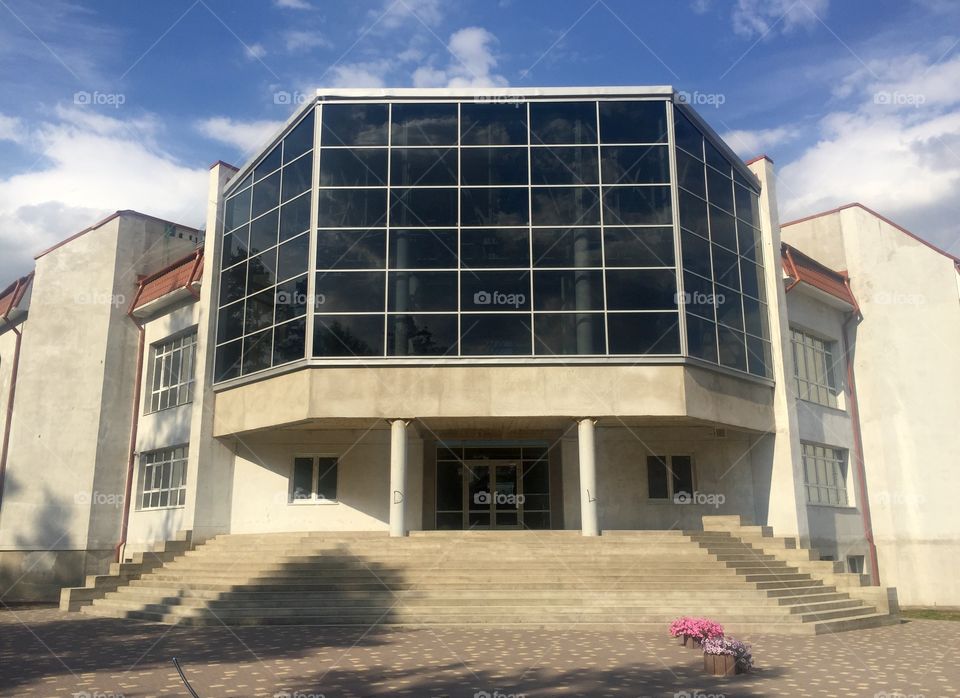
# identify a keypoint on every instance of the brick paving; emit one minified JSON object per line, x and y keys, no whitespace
{"x":45,"y":652}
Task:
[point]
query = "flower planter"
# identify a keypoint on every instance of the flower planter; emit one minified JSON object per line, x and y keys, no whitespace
{"x":691,"y":641}
{"x":720,"y":664}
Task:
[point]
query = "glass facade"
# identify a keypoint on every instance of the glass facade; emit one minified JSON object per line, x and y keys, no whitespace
{"x":457,"y":229}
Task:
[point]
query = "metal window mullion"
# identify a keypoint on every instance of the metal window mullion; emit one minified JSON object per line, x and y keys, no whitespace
{"x":603,"y":244}
{"x":677,"y":244}
{"x":533,"y":335}
{"x":313,"y":228}
{"x":387,"y":222}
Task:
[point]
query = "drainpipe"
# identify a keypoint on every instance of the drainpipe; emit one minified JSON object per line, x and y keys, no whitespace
{"x":13,"y":390}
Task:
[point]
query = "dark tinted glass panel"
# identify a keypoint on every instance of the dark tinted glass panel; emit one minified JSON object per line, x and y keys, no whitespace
{"x":293,"y":257}
{"x":493,"y":335}
{"x":696,"y":253}
{"x":720,"y":190}
{"x":647,"y":289}
{"x":343,"y":167}
{"x":690,"y":174}
{"x":269,"y":163}
{"x":237,"y":210}
{"x":563,"y":122}
{"x":492,"y":291}
{"x":637,"y":206}
{"x":266,"y":194}
{"x":412,"y":167}
{"x":566,"y":247}
{"x":699,"y":296}
{"x":297,"y":177}
{"x":234,"y":247}
{"x":633,"y":122}
{"x":565,"y":206}
{"x":352,"y":208}
{"x":259,"y":311}
{"x":564,"y":165}
{"x":423,"y":208}
{"x":262,"y":271}
{"x":682,"y":473}
{"x":755,"y":317}
{"x":228,"y":361}
{"x":257,"y":350}
{"x":568,"y":290}
{"x":493,"y":124}
{"x":752,"y":276}
{"x":494,"y":207}
{"x":492,"y":247}
{"x":247,"y":181}
{"x":701,"y":338}
{"x":289,"y":342}
{"x":693,"y":214}
{"x":636,"y":165}
{"x":725,"y":268}
{"x":643,"y":333}
{"x":715,"y":158}
{"x":657,"y":487}
{"x":687,"y":135}
{"x":482,"y":166}
{"x":354,"y":249}
{"x":300,"y":139}
{"x":639,"y":247}
{"x":733,"y":353}
{"x":422,"y":335}
{"x":263,"y":232}
{"x":354,"y":124}
{"x":748,"y":205}
{"x":348,"y":336}
{"x":759,"y":359}
{"x":729,"y":309}
{"x":723,"y":228}
{"x":291,"y":299}
{"x":346,"y":291}
{"x":424,"y":124}
{"x":568,"y":334}
{"x":748,"y":240}
{"x":294,"y":217}
{"x":426,"y":291}
{"x":230,"y":322}
{"x":423,"y":249}
{"x":233,"y":284}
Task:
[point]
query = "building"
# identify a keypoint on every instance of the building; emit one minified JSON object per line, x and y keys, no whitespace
{"x":564,"y":308}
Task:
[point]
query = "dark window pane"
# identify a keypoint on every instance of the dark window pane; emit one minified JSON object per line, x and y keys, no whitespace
{"x":263,"y":232}
{"x":424,"y":124}
{"x":352,"y":208}
{"x":293,"y":257}
{"x":482,"y":166}
{"x":748,"y":240}
{"x":699,"y":296}
{"x":648,"y":289}
{"x":346,"y":291}
{"x":636,"y":165}
{"x":342,"y":167}
{"x":715,"y":158}
{"x":236,"y":211}
{"x":568,"y":290}
{"x":633,"y":122}
{"x":560,"y":334}
{"x":494,"y":207}
{"x":564,"y":165}
{"x":719,"y":190}
{"x":687,"y":135}
{"x":565,"y":206}
{"x":495,"y":335}
{"x":729,"y":309}
{"x":259,"y":311}
{"x":300,"y":138}
{"x":294,"y":217}
{"x":353,"y":249}
{"x":493,"y":291}
{"x":732,"y":349}
{"x":234,"y":247}
{"x":644,"y":333}
{"x":563,"y":122}
{"x":327,"y":478}
{"x":748,"y":205}
{"x":348,"y":336}
{"x":690,"y":174}
{"x":759,"y":357}
{"x":657,"y":487}
{"x":262,"y":271}
{"x":302,"y":478}
{"x":701,"y":338}
{"x":566,"y":247}
{"x":423,"y":249}
{"x":230,"y":322}
{"x":233,"y":284}
{"x":423,"y":208}
{"x":682,"y":475}
{"x":291,"y":299}
{"x":270,"y":162}
{"x":354,"y":124}
{"x":492,"y":247}
{"x":637,"y":206}
{"x":493,"y":124}
{"x":639,"y":247}
{"x":422,"y":291}
{"x":696,"y":254}
{"x":755,"y":317}
{"x":297,"y":177}
{"x":752,"y":276}
{"x":266,"y":194}
{"x":725,"y":269}
{"x":723,"y":228}
{"x":422,"y":335}
{"x":257,"y":351}
{"x":693,"y":214}
{"x":411,"y":167}
{"x":228,"y":361}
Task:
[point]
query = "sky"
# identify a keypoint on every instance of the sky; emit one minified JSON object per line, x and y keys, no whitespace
{"x":113,"y":104}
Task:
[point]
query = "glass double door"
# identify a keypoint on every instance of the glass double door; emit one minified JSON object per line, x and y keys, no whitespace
{"x":492,"y":494}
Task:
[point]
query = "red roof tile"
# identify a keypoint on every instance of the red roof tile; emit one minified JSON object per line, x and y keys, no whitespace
{"x":181,"y":274}
{"x":801,"y":267}
{"x":13,"y":294}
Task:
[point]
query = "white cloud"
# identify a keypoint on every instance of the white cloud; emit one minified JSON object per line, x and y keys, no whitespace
{"x":245,"y":136}
{"x":359,"y":75}
{"x":395,"y":13}
{"x":293,"y":4}
{"x":298,"y":40}
{"x":471,"y":62}
{"x":750,"y":143}
{"x":255,"y":51}
{"x":756,"y":18}
{"x":11,"y":129}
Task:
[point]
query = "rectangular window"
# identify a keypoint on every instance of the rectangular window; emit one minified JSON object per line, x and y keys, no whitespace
{"x":163,"y":478}
{"x":670,"y":477}
{"x":172,"y":367}
{"x":314,"y":479}
{"x":825,"y":475}
{"x":814,"y":373}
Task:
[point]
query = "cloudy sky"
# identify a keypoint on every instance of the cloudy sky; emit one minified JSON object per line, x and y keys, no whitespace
{"x":108,"y":105}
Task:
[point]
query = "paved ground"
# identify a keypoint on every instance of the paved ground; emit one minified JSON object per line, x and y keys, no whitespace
{"x":44,"y":652}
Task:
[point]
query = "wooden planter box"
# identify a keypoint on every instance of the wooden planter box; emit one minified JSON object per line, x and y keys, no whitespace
{"x":689,"y":641}
{"x":720,"y":664}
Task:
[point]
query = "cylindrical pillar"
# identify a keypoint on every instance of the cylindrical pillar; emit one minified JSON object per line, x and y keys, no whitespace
{"x":398,"y":477}
{"x":589,"y":523}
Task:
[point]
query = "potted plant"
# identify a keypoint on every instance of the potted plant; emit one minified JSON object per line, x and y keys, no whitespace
{"x":726,"y":656}
{"x":693,"y":631}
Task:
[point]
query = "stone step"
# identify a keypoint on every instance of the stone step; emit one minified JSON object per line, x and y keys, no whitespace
{"x":330,"y":569}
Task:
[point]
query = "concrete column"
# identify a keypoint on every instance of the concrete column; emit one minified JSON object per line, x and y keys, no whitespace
{"x":589,"y":524}
{"x":398,"y":477}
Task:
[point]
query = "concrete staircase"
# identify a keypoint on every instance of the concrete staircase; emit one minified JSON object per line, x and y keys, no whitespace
{"x":556,"y":579}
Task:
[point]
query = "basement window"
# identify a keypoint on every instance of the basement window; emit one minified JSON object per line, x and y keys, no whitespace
{"x":670,"y":478}
{"x":314,"y":479}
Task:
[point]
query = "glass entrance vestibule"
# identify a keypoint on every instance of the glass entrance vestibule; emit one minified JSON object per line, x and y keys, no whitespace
{"x":487,"y":485}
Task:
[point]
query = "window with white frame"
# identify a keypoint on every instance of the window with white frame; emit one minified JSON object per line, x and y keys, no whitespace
{"x":172,"y":368}
{"x":163,"y":478}
{"x":314,"y":479}
{"x":814,"y":370}
{"x":670,"y":477}
{"x":825,"y":474}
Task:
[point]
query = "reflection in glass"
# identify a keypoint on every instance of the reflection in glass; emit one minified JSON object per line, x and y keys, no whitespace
{"x":351,"y":208}
{"x":493,"y":124}
{"x":565,"y":206}
{"x":350,"y":291}
{"x":234,"y":247}
{"x":259,"y":311}
{"x":686,"y":135}
{"x":351,"y":249}
{"x":639,"y":247}
{"x":725,"y":268}
{"x":291,"y":298}
{"x":696,"y":254}
{"x":423,"y":249}
{"x":300,"y":139}
{"x":729,"y":309}
{"x":236,"y":211}
{"x":567,"y":247}
{"x":293,"y":257}
{"x":294,"y":217}
{"x":362,"y":167}
{"x":563,"y":122}
{"x":289,"y":342}
{"x":578,"y":289}
{"x":422,"y":335}
{"x":426,"y":291}
{"x":423,"y":208}
{"x":412,"y":167}
{"x":699,"y":296}
{"x":495,"y":291}
{"x":494,"y":207}
{"x":489,"y":166}
{"x":228,"y":361}
{"x":719,"y":190}
{"x":693,"y":214}
{"x":633,"y":121}
{"x":641,"y":289}
{"x":233,"y":284}
{"x":347,"y":336}
{"x":564,"y":165}
{"x":636,"y":165}
{"x":257,"y":352}
{"x":560,"y":334}
{"x":690,"y":174}
{"x":732,"y":348}
{"x":262,"y":271}
{"x":266,"y":194}
{"x":495,"y":335}
{"x":354,"y":124}
{"x":637,"y":206}
{"x":263,"y":232}
{"x":230,"y":322}
{"x":723,"y":229}
{"x":492,"y":247}
{"x":297,"y":177}
{"x":269,"y":163}
{"x":424,"y":124}
{"x":701,"y":338}
{"x":643,"y":333}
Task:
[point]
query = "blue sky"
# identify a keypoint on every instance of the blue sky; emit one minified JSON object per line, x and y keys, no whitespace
{"x":107,"y":105}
